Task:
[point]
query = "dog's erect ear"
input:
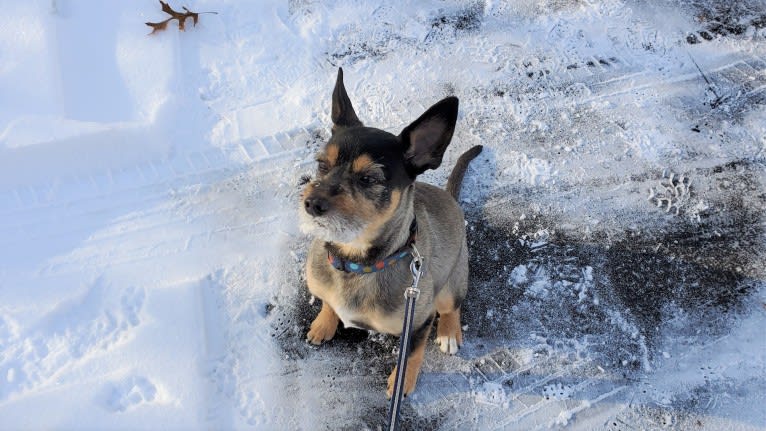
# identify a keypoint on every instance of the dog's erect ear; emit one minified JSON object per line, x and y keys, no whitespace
{"x":426,"y":139}
{"x":343,"y":114}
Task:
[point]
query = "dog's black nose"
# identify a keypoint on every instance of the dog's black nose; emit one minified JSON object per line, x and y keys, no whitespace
{"x":316,"y":206}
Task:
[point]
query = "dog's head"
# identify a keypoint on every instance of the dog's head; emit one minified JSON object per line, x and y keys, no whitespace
{"x":363,"y":172}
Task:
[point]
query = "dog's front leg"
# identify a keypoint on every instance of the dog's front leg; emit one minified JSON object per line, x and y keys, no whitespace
{"x":324,"y":326}
{"x":416,"y":350}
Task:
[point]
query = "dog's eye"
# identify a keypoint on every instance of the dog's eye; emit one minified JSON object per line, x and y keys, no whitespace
{"x":368,"y":180}
{"x":322,"y":167}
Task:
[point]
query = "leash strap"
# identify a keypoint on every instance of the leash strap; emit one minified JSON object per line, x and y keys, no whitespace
{"x":411,"y":295}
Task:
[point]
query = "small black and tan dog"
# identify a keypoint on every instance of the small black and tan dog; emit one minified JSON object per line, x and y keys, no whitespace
{"x":365,"y":211}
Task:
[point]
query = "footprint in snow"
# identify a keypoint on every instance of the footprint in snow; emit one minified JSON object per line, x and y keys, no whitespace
{"x":557,"y":391}
{"x":130,"y":393}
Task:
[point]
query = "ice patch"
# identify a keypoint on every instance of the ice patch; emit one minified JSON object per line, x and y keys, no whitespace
{"x":539,"y":289}
{"x":518,"y":275}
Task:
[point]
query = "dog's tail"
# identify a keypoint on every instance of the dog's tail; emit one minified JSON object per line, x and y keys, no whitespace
{"x":458,"y":172}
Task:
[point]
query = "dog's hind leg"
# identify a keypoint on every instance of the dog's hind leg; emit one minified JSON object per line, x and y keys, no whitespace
{"x":449,"y":334}
{"x":417,"y":351}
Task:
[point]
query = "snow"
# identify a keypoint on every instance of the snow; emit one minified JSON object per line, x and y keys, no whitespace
{"x":151,"y":262}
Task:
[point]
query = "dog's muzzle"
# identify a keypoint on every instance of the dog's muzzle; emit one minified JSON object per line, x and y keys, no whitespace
{"x":316,"y":206}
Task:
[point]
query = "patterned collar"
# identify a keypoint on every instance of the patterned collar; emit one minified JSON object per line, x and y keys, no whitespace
{"x":344,"y":265}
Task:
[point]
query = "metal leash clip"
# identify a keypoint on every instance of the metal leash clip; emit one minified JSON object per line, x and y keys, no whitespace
{"x":416,"y":267}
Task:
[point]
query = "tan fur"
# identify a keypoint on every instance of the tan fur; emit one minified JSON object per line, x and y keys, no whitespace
{"x":385,"y":323}
{"x":361,"y":163}
{"x":449,"y":326}
{"x":307,"y":190}
{"x":445,"y":303}
{"x":361,"y":208}
{"x":331,"y":152}
{"x":414,"y":362}
{"x":324,"y":326}
{"x":449,"y":317}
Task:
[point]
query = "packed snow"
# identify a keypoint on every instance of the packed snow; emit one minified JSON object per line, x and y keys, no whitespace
{"x":151,"y":263}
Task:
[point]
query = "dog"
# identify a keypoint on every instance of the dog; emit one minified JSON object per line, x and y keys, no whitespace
{"x":365,"y":211}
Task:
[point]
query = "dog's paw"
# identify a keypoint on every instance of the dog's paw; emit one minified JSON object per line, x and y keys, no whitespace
{"x":319,"y":334}
{"x":449,"y":334}
{"x":448,"y":344}
{"x":324,"y":326}
{"x":321,"y":331}
{"x":410,"y":380}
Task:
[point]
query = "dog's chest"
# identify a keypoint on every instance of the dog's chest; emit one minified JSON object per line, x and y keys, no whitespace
{"x":388,"y":323}
{"x":351,"y":318}
{"x":373,"y":302}
{"x":358,"y":306}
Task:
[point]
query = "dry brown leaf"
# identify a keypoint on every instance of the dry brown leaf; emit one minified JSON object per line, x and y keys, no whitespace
{"x":167,"y":9}
{"x":175,"y":15}
{"x":194,"y":15}
{"x":158,"y":26}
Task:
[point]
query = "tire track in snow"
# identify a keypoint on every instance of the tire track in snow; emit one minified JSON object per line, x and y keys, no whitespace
{"x":172,"y":173}
{"x":44,"y":223}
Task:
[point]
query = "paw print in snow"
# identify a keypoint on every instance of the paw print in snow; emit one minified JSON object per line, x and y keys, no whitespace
{"x":493,"y":393}
{"x":131,"y":392}
{"x":557,"y":391}
{"x":672,"y":194}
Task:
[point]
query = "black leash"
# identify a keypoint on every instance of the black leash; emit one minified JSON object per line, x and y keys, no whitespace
{"x":411,"y":295}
